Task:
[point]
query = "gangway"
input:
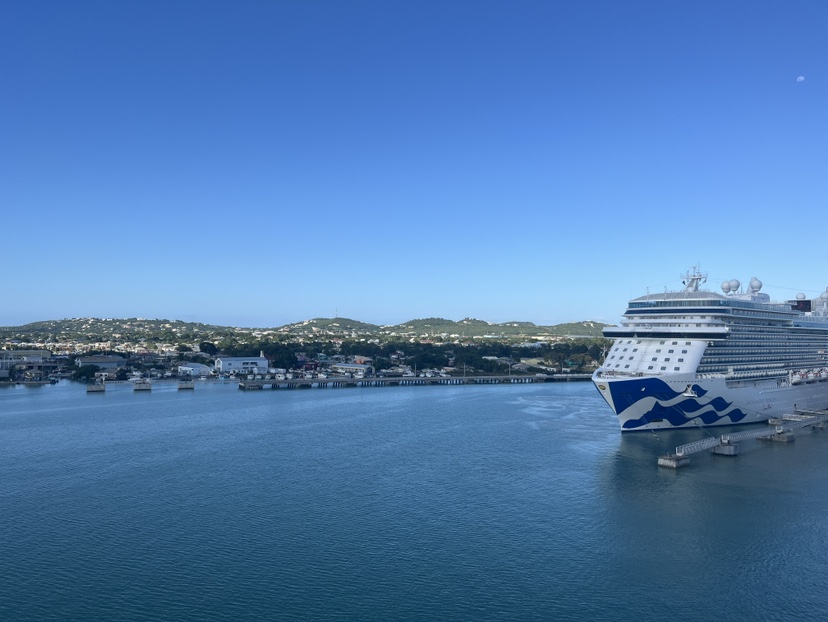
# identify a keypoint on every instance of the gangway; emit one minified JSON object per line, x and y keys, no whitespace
{"x":807,"y":413}
{"x":697,"y":446}
{"x":746,"y":434}
{"x":796,"y":424}
{"x":727,"y":444}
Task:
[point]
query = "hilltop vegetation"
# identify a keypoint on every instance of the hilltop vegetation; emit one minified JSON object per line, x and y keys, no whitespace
{"x":176,"y":331}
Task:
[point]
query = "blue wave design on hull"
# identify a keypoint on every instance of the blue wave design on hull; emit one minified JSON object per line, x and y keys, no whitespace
{"x":678,"y":414}
{"x":678,"y":418}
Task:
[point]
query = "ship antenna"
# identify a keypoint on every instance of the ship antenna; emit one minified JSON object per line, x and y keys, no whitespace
{"x":693,"y":279}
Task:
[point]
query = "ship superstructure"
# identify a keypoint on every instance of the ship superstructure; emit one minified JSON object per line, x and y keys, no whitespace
{"x":696,"y":357}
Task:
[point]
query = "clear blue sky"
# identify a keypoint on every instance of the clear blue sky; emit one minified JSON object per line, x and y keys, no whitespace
{"x":260,"y":163}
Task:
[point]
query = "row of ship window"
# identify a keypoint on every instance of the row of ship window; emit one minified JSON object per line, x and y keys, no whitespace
{"x":658,"y":350}
{"x":781,"y":350}
{"x":703,"y":368}
{"x":767,"y":370}
{"x":765,"y":343}
{"x":774,"y":331}
{"x":650,"y":324}
{"x":650,"y":367}
{"x":655,"y":358}
{"x":764,"y":352}
{"x":760,"y":355}
{"x":754,"y":314}
{"x":763,"y":328}
{"x":661,"y":343}
{"x":740,"y":306}
{"x":760,"y":335}
{"x":750,"y":347}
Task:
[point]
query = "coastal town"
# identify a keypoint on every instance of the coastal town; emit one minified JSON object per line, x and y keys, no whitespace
{"x":99,"y":351}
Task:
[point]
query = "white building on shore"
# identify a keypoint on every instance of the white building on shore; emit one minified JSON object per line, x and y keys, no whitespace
{"x":242,"y":364}
{"x":106,"y":362}
{"x":194,"y":369}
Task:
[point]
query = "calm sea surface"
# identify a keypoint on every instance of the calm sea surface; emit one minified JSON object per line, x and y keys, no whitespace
{"x":520,"y":502}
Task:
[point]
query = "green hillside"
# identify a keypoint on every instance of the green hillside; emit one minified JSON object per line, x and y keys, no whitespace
{"x":96,"y":329}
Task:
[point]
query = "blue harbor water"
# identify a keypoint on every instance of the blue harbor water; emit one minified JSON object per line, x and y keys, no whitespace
{"x":508,"y":502}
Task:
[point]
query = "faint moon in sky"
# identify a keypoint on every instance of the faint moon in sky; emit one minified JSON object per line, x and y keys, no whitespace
{"x":801,"y":79}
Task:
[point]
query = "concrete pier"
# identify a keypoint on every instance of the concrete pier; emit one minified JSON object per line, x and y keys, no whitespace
{"x":96,"y":388}
{"x":672,"y":461}
{"x":726,"y":449}
{"x":781,"y":437}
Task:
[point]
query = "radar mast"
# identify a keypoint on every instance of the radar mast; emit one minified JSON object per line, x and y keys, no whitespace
{"x":692,"y":279}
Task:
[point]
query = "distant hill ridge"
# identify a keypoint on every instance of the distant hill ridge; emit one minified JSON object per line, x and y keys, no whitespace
{"x":468,"y":327}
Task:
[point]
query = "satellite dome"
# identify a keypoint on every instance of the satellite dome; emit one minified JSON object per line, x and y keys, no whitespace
{"x":800,"y":296}
{"x":755,"y":285}
{"x":824,"y":295}
{"x":735,"y":284}
{"x":726,"y":287}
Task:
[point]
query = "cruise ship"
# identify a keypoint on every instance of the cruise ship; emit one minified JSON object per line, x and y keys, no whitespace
{"x":701,"y":358}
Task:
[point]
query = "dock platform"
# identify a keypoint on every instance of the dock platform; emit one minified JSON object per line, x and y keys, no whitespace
{"x":338,"y":382}
{"x":272,"y":382}
{"x":728,"y":444}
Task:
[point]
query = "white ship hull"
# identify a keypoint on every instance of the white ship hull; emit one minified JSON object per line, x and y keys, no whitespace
{"x":681,"y":401}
